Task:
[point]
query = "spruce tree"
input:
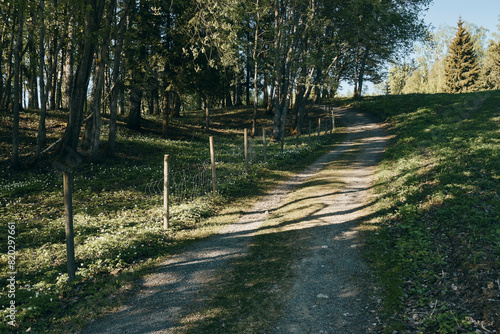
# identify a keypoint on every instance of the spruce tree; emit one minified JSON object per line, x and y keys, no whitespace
{"x":462,"y":67}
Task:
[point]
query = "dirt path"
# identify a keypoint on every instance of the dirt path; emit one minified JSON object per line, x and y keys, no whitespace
{"x":329,"y":294}
{"x":332,"y":292}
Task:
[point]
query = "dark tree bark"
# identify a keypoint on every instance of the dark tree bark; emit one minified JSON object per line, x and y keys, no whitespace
{"x":359,"y":75}
{"x":207,"y":114}
{"x":32,"y":74}
{"x":134,"y":117}
{"x":167,"y":98}
{"x":42,"y":132}
{"x":256,"y":67}
{"x":8,"y":69}
{"x":116,"y":81}
{"x":237,"y":96}
{"x":15,"y":163}
{"x":68,"y":69}
{"x":69,"y":143}
{"x":93,"y":126}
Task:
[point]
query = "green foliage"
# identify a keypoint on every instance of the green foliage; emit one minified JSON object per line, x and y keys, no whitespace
{"x":398,"y":76}
{"x":462,"y":67}
{"x":438,"y":210}
{"x":427,"y":71}
{"x":490,"y":73}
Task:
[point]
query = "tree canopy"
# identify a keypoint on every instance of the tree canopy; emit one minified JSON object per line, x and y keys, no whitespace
{"x":448,"y":60}
{"x":135,"y":56}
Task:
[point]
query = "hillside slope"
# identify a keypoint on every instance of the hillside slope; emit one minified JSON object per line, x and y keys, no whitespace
{"x":439,"y":212}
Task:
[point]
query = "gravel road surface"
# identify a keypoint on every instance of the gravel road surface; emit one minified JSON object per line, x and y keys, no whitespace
{"x":331,"y":293}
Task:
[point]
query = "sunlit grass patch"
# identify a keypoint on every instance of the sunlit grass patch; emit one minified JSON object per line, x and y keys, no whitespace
{"x":439,"y":210}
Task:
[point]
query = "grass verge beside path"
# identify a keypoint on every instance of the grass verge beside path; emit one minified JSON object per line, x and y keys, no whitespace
{"x":118,"y":223}
{"x":436,"y":247}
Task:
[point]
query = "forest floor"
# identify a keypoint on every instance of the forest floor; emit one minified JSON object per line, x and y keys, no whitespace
{"x":312,"y":222}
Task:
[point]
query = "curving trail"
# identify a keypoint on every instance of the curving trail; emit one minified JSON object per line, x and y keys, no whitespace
{"x":329,"y":294}
{"x":333,"y":291}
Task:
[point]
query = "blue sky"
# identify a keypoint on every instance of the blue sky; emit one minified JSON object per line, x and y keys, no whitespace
{"x":480,"y":12}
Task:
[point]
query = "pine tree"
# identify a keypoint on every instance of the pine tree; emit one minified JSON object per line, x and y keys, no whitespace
{"x":462,"y":67}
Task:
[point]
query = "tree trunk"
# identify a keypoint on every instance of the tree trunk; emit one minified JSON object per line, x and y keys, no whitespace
{"x":52,"y":78}
{"x":155,"y":101}
{"x":2,"y":45}
{"x":207,"y":114}
{"x":359,"y":75}
{"x":116,"y":82}
{"x":302,"y":109}
{"x":177,"y":105}
{"x":32,"y":77}
{"x":69,"y":143}
{"x":59,"y":81}
{"x":270,"y":103}
{"x":237,"y":96}
{"x":68,"y":70}
{"x":247,"y":81}
{"x":42,"y":132}
{"x":121,"y":100}
{"x":9,"y":71}
{"x":17,"y":89}
{"x":266,"y":93}
{"x":134,"y":116}
{"x":255,"y":86}
{"x":94,"y":125}
{"x":362,"y":73}
{"x":167,"y":96}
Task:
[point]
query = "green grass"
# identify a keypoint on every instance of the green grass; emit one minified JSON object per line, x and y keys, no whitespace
{"x":436,"y":248}
{"x":117,"y":217}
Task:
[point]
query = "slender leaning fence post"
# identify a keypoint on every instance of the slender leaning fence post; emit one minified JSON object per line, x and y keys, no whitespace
{"x":245,"y":139}
{"x":166,"y":192}
{"x":212,"y":162}
{"x":68,"y":222}
{"x":264,"y":143}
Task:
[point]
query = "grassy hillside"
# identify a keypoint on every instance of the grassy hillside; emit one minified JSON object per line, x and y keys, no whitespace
{"x":117,"y":209}
{"x":436,"y":246}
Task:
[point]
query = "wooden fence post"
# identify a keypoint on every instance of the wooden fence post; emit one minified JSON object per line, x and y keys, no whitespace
{"x":166,"y":192}
{"x":212,"y":161}
{"x":264,"y":143}
{"x":319,"y":127}
{"x":68,"y":222}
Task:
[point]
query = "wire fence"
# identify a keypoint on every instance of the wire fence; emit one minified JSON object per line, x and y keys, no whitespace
{"x":232,"y":163}
{"x":185,"y":184}
{"x":193,"y":181}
